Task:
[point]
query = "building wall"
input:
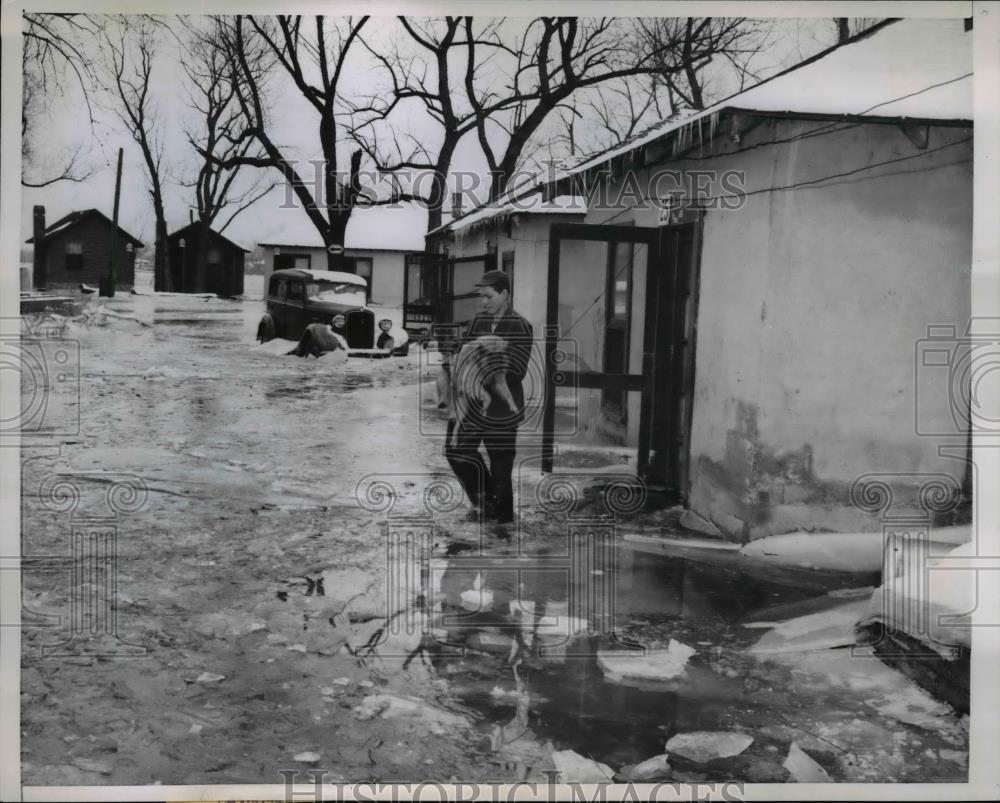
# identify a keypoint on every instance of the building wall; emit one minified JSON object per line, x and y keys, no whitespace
{"x":225,"y":278}
{"x":387,"y":275}
{"x":387,"y":267}
{"x":854,"y":274}
{"x":812,"y":304}
{"x":95,"y":237}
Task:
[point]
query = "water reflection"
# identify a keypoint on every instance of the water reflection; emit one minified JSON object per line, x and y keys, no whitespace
{"x":541,"y":622}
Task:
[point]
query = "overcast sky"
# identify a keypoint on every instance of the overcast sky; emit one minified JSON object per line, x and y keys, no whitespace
{"x":64,"y":127}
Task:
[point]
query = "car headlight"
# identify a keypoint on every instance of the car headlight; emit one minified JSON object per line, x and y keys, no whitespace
{"x":339,"y":321}
{"x":385,"y":324}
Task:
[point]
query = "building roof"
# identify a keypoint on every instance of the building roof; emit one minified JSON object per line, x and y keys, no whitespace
{"x":914,"y":69}
{"x":180,"y":232}
{"x":378,"y":228}
{"x":511,"y":204}
{"x":74,"y":218}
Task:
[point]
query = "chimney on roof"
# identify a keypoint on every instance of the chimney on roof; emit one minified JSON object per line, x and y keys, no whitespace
{"x":456,"y":204}
{"x":38,"y":277}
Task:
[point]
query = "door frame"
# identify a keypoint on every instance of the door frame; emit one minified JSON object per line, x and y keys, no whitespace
{"x":557,"y":376}
{"x":676,"y":339}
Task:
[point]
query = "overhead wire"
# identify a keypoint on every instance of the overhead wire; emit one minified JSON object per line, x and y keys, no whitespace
{"x":806,"y":183}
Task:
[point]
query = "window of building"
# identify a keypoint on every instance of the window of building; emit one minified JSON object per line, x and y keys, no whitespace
{"x":617,"y":318}
{"x":291,"y":260}
{"x":507,"y":266}
{"x":362,"y":266}
{"x":74,"y":256}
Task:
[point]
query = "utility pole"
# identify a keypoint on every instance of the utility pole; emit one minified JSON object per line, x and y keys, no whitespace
{"x":113,"y":277}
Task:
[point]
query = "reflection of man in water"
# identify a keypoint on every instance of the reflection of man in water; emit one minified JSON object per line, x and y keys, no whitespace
{"x":490,"y":490}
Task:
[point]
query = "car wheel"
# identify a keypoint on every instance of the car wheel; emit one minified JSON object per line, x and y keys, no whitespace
{"x":266,"y":330}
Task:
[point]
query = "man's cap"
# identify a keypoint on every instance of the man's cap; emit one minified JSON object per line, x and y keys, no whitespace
{"x":496,"y":279}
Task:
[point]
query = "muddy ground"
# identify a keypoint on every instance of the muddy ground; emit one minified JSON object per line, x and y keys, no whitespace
{"x":264,"y":621}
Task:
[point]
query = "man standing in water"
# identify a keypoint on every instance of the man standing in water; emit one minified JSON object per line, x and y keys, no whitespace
{"x":490,"y":490}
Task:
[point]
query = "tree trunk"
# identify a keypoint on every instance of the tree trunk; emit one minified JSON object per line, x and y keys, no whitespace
{"x":439,"y":188}
{"x":201,"y":283}
{"x":334,"y":236}
{"x":161,"y":260}
{"x":161,"y":265}
{"x":500,"y":178}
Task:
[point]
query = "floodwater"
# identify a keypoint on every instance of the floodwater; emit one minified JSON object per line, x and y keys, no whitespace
{"x":252,"y":459}
{"x":825,"y":699}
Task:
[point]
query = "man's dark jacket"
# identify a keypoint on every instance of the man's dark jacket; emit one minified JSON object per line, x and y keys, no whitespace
{"x":516,"y":331}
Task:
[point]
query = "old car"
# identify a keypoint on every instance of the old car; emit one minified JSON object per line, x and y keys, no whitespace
{"x":297,"y":297}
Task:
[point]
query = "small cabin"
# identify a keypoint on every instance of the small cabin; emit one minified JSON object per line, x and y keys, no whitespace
{"x":77,"y":249}
{"x":222,"y":271}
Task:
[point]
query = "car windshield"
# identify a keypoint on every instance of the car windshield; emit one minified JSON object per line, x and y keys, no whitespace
{"x":341,"y":292}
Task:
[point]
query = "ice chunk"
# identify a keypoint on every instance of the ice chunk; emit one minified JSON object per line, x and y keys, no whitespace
{"x":702,"y":746}
{"x":574,"y":768}
{"x":816,"y":631}
{"x":651,"y":665}
{"x":803,"y":768}
{"x":648,"y":770}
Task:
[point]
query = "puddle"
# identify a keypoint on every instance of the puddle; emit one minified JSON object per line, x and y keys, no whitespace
{"x":651,"y":600}
{"x":308,"y":386}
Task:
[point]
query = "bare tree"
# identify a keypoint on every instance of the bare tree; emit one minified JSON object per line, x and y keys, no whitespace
{"x":222,"y":134}
{"x":600,"y":118}
{"x":130,"y":46}
{"x":312,"y":52}
{"x":440,"y":61}
{"x":54,"y":51}
{"x":514,"y":76}
{"x":555,"y":58}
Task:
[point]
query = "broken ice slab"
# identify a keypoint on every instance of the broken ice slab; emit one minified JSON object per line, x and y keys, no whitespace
{"x":574,"y":768}
{"x":651,"y":665}
{"x":209,"y":677}
{"x":703,"y":746}
{"x":816,"y":631}
{"x":803,"y":768}
{"x":391,"y":706}
{"x":651,"y":769}
{"x":836,"y":552}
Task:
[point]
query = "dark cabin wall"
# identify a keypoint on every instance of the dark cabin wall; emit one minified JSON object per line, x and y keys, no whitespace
{"x":95,"y":237}
{"x":225,"y":281}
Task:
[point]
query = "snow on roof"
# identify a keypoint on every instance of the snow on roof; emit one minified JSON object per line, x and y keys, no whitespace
{"x":184,"y":229}
{"x":915,"y":68}
{"x":512,"y":204}
{"x":378,"y":228}
{"x":73,"y":218}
